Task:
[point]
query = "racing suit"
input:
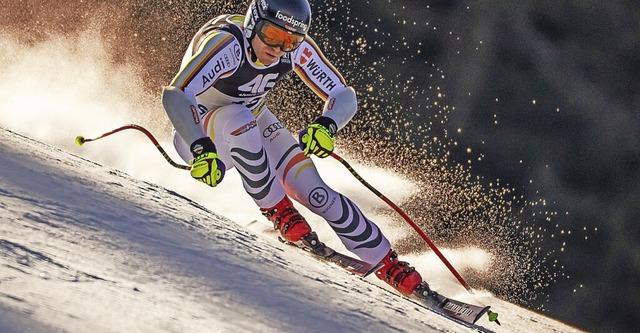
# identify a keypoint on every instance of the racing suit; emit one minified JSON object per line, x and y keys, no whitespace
{"x":229,"y":85}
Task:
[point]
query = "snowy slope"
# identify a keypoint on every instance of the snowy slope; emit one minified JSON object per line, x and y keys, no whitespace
{"x":87,"y":248}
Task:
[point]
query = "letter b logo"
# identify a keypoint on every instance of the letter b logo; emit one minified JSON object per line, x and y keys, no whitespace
{"x":318,"y":197}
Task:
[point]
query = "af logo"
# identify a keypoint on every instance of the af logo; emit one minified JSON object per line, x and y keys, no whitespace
{"x":318,"y":197}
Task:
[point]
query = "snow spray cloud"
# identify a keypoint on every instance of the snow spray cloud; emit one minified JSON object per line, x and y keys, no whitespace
{"x":65,"y":85}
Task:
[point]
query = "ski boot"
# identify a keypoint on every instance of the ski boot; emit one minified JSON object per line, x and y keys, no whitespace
{"x":398,"y":274}
{"x":286,"y":219}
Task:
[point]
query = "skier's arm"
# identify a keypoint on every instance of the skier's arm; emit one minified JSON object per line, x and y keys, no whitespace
{"x":214,"y":58}
{"x":320,"y":75}
{"x":340,"y":100}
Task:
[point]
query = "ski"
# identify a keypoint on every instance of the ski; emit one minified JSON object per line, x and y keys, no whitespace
{"x":320,"y":251}
{"x":458,"y":311}
{"x":350,"y":264}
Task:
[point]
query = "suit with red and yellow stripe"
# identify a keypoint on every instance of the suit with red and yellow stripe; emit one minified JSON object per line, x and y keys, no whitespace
{"x":229,"y":85}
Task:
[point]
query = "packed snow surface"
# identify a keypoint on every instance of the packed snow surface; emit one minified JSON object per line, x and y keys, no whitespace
{"x":88,"y":248}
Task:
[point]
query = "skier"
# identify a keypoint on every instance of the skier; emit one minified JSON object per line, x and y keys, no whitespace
{"x":216,"y":104}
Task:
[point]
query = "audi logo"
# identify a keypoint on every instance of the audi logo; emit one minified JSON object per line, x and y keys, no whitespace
{"x":267,"y":132}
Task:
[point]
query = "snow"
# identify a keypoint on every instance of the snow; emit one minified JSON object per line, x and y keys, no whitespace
{"x":87,"y":248}
{"x":110,"y":238}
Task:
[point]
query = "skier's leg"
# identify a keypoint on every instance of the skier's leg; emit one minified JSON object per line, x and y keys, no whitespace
{"x":303,"y":183}
{"x":238,"y":141}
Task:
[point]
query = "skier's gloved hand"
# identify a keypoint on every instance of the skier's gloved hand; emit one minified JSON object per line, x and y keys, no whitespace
{"x":318,"y":138}
{"x":206,"y":166}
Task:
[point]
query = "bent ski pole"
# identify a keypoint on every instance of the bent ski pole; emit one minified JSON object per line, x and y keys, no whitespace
{"x":406,"y":217}
{"x":80,"y":140}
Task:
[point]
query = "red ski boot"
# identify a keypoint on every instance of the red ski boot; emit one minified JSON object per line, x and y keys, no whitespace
{"x":286,"y":219}
{"x":398,"y":274}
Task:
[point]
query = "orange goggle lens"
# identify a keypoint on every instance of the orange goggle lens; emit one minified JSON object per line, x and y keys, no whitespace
{"x":275,"y":36}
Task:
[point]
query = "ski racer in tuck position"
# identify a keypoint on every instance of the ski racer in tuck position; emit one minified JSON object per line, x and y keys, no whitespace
{"x":216,"y":104}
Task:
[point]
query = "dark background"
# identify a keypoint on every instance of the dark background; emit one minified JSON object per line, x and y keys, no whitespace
{"x":520,"y":119}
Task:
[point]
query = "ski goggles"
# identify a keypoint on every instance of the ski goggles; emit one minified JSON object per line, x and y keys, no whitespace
{"x":274,"y":36}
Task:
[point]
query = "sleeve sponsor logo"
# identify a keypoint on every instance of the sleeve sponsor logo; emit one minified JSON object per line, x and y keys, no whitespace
{"x":330,"y":103}
{"x":210,"y":76}
{"x":315,"y":70}
{"x":194,"y":113}
{"x":224,"y":61}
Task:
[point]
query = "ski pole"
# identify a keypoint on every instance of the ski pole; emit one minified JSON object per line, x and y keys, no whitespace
{"x":80,"y":140}
{"x":406,"y":217}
